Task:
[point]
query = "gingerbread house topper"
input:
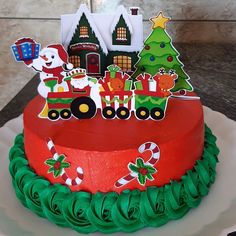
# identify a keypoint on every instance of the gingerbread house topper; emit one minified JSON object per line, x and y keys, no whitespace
{"x":97,"y":40}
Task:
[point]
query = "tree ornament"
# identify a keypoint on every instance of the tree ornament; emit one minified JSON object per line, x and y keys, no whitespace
{"x":162,"y":45}
{"x":152,"y":58}
{"x":147,"y":47}
{"x":169,"y":58}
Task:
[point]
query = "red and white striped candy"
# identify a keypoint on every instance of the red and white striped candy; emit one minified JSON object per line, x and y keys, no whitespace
{"x":52,"y":149}
{"x":68,"y":181}
{"x":75,"y":181}
{"x":151,"y":161}
{"x":126,"y":179}
{"x":155,"y":152}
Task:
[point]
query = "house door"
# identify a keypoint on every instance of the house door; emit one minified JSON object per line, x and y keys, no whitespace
{"x":93,"y":63}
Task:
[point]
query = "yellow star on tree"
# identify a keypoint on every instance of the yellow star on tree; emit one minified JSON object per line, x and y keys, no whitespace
{"x":159,"y":21}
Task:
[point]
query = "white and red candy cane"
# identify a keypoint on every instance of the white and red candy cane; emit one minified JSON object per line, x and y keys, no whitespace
{"x":151,"y":161}
{"x":155,"y":152}
{"x":76,"y":181}
{"x":68,"y":181}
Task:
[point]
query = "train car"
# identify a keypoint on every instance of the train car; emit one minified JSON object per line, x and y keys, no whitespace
{"x":150,"y":101}
{"x":116,"y":97}
{"x":149,"y":106}
{"x":116,"y":104}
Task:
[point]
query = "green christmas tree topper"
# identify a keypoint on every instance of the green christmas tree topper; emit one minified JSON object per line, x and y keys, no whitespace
{"x":159,"y":52}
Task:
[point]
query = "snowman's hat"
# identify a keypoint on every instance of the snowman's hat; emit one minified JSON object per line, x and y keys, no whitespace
{"x":60,"y":50}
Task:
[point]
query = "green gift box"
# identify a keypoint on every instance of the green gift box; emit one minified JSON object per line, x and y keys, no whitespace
{"x":128,"y":85}
{"x":138,"y":85}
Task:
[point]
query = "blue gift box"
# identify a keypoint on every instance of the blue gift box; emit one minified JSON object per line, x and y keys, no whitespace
{"x":26,"y":51}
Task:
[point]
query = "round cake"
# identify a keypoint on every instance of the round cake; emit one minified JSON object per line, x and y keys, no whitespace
{"x":97,"y":203}
{"x":116,"y":141}
{"x":104,"y":148}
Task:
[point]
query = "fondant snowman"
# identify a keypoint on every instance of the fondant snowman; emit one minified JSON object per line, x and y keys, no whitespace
{"x":52,"y":62}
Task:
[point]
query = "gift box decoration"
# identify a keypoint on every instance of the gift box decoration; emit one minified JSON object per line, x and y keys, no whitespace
{"x":25,"y":49}
{"x":113,"y":69}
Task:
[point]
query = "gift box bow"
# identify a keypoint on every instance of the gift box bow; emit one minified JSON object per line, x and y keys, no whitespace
{"x":25,"y":49}
{"x":113,"y":69}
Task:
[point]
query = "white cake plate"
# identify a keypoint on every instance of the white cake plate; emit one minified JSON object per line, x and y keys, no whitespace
{"x":216,"y":215}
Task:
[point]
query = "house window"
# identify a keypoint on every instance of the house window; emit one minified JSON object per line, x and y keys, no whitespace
{"x":124,"y":62}
{"x":83,"y":32}
{"x":75,"y":60}
{"x":121,"y":34}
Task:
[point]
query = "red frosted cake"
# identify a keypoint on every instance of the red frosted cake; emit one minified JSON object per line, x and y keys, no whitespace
{"x":104,"y":148}
{"x":119,"y":142}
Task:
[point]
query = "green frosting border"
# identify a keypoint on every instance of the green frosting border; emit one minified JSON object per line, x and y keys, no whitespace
{"x":111,"y":212}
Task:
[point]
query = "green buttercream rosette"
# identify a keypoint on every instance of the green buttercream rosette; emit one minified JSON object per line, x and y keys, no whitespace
{"x":111,"y":212}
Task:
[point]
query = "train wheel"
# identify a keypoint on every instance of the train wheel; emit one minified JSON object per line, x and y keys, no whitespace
{"x":157,"y":113}
{"x":142,"y":113}
{"x":83,"y":108}
{"x":109,"y":112}
{"x":123,"y":113}
{"x":65,"y":114}
{"x":53,"y":115}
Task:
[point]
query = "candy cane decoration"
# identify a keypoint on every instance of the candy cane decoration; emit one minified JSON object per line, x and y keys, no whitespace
{"x":151,"y":161}
{"x":68,"y":181}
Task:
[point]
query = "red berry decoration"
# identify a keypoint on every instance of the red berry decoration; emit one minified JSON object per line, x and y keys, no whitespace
{"x":169,"y":58}
{"x":147,"y":47}
{"x":57,"y":165}
{"x":143,"y":171}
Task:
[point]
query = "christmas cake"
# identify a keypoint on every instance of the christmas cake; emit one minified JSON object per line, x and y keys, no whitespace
{"x":118,"y":142}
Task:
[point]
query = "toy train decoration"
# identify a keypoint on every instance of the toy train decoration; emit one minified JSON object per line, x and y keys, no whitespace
{"x":81,"y":96}
{"x":71,"y":92}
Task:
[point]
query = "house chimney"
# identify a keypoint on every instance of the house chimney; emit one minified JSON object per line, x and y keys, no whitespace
{"x":134,"y":10}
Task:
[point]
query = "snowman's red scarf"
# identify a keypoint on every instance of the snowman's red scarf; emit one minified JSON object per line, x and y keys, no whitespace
{"x":56,"y":72}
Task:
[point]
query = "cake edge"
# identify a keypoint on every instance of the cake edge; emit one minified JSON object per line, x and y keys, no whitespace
{"x":112,"y":212}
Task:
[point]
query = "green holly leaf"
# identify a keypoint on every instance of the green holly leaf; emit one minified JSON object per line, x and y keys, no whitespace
{"x":141,"y":179}
{"x":61,"y":158}
{"x":149,"y":176}
{"x":65,"y":165}
{"x":139,"y":162}
{"x":51,"y":170}
{"x":57,"y":173}
{"x":150,"y":169}
{"x":50,"y":162}
{"x":133,"y":167}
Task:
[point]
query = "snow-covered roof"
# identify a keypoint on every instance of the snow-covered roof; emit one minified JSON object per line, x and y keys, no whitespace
{"x":75,"y":20}
{"x":103,"y":26}
{"x":121,"y":11}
